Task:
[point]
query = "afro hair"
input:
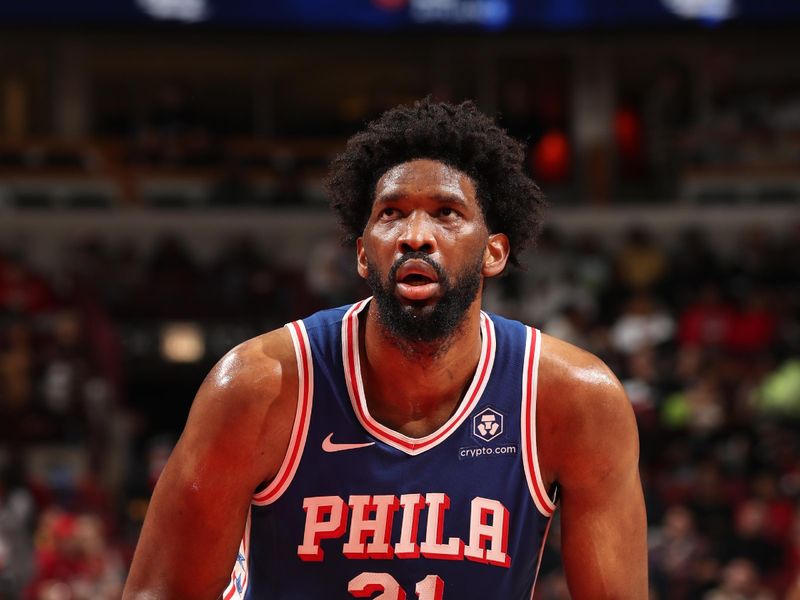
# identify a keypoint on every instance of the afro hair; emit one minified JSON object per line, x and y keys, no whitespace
{"x":457,"y":135}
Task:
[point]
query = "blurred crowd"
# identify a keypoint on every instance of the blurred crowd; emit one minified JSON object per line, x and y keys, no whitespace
{"x":707,"y":346}
{"x":705,"y":339}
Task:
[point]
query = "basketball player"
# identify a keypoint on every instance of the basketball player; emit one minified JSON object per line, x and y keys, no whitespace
{"x":409,"y":445}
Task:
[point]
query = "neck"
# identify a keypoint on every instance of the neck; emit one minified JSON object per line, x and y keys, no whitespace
{"x":413,"y":388}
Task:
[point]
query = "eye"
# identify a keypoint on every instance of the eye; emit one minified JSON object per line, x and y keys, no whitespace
{"x":388,"y":213}
{"x":447,"y":211}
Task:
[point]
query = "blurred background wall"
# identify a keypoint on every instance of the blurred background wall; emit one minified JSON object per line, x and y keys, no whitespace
{"x":161,"y":201}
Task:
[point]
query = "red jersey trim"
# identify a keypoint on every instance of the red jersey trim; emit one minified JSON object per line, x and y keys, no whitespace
{"x":530,"y":459}
{"x":355,"y":387}
{"x":297,"y":442}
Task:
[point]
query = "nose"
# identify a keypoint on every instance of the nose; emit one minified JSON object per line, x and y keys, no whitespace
{"x":418,"y":235}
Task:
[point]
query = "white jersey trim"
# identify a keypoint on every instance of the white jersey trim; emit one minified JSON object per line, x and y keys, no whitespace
{"x":355,"y":387}
{"x":530,"y":458}
{"x":302,"y":418}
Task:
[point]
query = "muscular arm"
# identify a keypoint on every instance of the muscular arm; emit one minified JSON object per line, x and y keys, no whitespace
{"x":591,"y":448}
{"x":235,"y":438}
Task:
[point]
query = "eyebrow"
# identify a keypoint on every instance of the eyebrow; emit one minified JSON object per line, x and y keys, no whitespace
{"x":441,"y":197}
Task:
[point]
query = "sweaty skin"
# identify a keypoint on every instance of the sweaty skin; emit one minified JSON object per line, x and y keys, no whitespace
{"x":238,"y":429}
{"x":423,"y":206}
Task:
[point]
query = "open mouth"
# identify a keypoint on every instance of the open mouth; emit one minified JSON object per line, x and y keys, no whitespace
{"x":417,"y":280}
{"x":416,"y":272}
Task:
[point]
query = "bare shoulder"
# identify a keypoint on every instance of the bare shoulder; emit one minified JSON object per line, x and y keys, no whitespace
{"x":583,"y":412}
{"x":235,"y":438}
{"x":251,"y":374}
{"x":245,"y":407}
{"x":583,"y":381}
{"x":588,"y":444}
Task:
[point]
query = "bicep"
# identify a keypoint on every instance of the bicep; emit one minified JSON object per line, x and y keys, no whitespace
{"x":604,"y":540}
{"x":234,"y":438}
{"x":192,"y":529}
{"x":603,"y":520}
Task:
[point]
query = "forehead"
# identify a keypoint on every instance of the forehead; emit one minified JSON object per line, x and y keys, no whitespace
{"x":425,"y":177}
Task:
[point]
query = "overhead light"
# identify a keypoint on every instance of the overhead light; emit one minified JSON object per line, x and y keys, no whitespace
{"x":707,"y":10}
{"x":182,"y":342}
{"x":188,"y":11}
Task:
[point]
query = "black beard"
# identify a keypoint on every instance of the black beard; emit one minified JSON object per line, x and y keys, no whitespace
{"x":419,"y":323}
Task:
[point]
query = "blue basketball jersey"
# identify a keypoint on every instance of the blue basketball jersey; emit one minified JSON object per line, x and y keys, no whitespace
{"x":358,"y":510}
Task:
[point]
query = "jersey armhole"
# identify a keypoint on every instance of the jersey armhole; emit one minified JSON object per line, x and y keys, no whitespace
{"x":530,"y":457}
{"x":302,"y":417}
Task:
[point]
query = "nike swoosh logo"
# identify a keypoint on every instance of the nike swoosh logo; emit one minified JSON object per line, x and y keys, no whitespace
{"x":330,"y":446}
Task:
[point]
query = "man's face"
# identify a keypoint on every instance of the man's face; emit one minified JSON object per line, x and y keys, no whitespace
{"x":425,"y":249}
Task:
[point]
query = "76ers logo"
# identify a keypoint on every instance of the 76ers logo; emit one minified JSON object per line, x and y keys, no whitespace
{"x":487,"y":424}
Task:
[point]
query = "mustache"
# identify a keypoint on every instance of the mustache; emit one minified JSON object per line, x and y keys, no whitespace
{"x":416,"y":256}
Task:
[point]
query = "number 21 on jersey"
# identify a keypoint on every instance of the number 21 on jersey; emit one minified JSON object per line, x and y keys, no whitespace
{"x":366,"y":584}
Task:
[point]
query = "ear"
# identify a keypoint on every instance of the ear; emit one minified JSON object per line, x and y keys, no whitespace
{"x":496,"y":254}
{"x":361,"y":258}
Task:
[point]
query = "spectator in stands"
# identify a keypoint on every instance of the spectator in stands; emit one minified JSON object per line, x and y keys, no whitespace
{"x":698,"y":407}
{"x":549,"y":283}
{"x":708,"y":320}
{"x":329,"y":273}
{"x":642,"y":386}
{"x":16,"y":367}
{"x":792,"y":567}
{"x":710,"y":499}
{"x":757,"y":261}
{"x":591,"y":265}
{"x":769,"y":486}
{"x":676,"y":549}
{"x":74,"y":561}
{"x":755,"y":325}
{"x":779,"y":392}
{"x":641,"y":263}
{"x":740,"y":581}
{"x":65,"y":369}
{"x":750,"y":539}
{"x":643,"y":324}
{"x":16,"y":549}
{"x":693,"y":264}
{"x":22,"y":290}
{"x":569,"y":324}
